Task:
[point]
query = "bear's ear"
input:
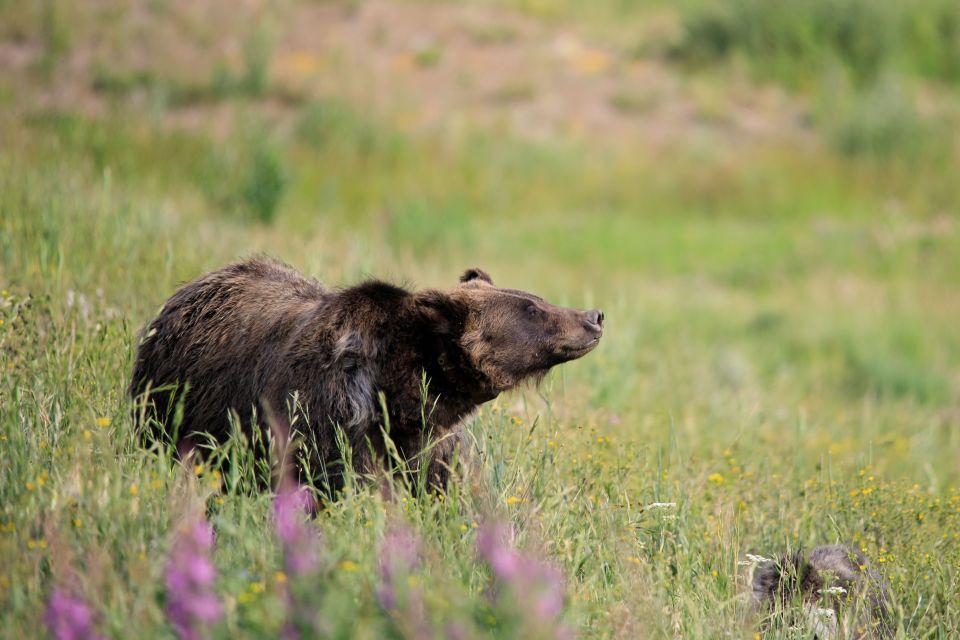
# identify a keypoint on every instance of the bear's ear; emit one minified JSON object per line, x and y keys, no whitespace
{"x":475,"y":274}
{"x":439,"y":313}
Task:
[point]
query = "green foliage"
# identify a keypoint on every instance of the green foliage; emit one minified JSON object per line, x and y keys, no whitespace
{"x":337,"y":129}
{"x":265,"y":183}
{"x":254,"y":80}
{"x":54,"y":33}
{"x":798,"y":39}
{"x":426,"y":228}
{"x":256,"y":56}
{"x":881,"y":122}
{"x":247,"y":176}
{"x":899,"y":363}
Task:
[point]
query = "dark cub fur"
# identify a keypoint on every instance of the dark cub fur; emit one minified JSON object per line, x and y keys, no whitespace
{"x":831,"y":591}
{"x":254,"y":335}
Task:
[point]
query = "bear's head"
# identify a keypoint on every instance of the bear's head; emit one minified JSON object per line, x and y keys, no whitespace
{"x":506,"y":335}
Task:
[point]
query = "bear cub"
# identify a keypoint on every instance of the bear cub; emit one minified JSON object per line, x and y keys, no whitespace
{"x":831,"y":591}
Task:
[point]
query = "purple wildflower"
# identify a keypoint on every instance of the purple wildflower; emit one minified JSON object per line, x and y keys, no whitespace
{"x":300,"y":545}
{"x":494,"y":544}
{"x":192,"y":604}
{"x":534,"y":584}
{"x":399,"y":556}
{"x":69,"y":618}
{"x":301,"y":553}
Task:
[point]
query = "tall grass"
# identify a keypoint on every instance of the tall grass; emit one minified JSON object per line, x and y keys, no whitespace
{"x":779,"y":370}
{"x":807,"y":404}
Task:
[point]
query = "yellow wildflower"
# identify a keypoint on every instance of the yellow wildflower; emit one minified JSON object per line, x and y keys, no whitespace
{"x":591,"y":61}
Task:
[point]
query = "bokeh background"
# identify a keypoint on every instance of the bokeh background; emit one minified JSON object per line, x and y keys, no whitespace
{"x":762,"y":196}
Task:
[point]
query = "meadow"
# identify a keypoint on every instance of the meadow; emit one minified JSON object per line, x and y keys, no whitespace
{"x":763,"y":203}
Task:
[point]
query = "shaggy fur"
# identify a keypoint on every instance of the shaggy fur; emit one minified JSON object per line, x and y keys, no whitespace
{"x":254,"y":336}
{"x":839,"y":594}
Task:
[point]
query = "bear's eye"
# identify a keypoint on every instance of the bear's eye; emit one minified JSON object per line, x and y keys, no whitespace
{"x":533,"y":311}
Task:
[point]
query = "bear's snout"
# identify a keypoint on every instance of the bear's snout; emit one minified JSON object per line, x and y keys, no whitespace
{"x":593,"y":320}
{"x":581,"y":334}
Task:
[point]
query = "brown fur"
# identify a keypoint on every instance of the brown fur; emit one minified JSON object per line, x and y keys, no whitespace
{"x":860,"y":610}
{"x":254,"y":335}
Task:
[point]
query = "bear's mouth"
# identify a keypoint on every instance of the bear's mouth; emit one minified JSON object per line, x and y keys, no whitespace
{"x":569,"y":352}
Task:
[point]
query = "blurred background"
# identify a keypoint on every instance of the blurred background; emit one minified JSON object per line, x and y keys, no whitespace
{"x":763,"y":196}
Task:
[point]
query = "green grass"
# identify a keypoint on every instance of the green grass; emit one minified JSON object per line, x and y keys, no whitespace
{"x":799,"y":39}
{"x":781,"y":361}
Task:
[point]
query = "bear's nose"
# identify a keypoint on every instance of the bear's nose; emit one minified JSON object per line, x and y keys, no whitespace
{"x":595,"y":317}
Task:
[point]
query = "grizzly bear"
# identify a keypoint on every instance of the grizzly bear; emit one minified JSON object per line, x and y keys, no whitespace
{"x":831,"y":591}
{"x":259,"y":339}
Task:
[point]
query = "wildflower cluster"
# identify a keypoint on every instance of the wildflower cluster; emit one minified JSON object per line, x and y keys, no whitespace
{"x":192,"y":604}
{"x":68,"y":617}
{"x":301,"y":554}
{"x":399,"y":556}
{"x":534,"y":586}
{"x":300,"y":543}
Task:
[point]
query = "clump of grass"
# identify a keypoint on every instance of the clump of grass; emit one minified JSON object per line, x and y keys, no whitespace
{"x":514,"y":92}
{"x":426,"y":226}
{"x":265,"y":183}
{"x":881,"y":122}
{"x":336,"y":128}
{"x":246,"y":176}
{"x":878,"y":371}
{"x":798,"y":39}
{"x":428,"y":56}
{"x":633,"y":103}
{"x":55,"y":35}
{"x":254,"y":80}
{"x":256,"y":56}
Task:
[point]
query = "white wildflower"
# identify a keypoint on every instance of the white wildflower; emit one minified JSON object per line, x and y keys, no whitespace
{"x":753,"y":560}
{"x":660,"y":505}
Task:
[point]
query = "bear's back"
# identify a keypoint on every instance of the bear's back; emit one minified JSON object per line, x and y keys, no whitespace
{"x":219,"y":334}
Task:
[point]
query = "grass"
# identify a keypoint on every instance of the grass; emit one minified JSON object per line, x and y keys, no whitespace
{"x":781,"y":362}
{"x":798,"y":39}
